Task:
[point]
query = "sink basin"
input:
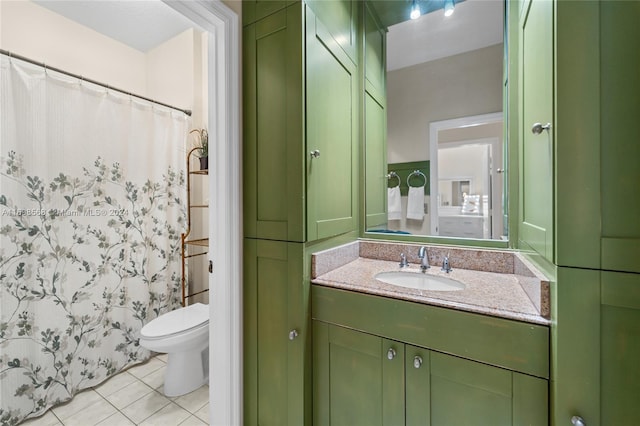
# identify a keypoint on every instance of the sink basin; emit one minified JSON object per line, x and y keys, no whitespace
{"x":419,"y":281}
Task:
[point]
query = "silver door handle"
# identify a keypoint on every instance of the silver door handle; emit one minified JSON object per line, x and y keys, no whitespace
{"x":577,"y":421}
{"x":391,"y":353}
{"x":315,"y":153}
{"x":537,"y":128}
{"x":417,"y":361}
{"x":293,"y":334}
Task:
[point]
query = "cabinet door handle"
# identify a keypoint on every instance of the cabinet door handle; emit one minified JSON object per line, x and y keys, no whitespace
{"x":391,"y":353}
{"x":293,"y":334}
{"x":417,"y":361}
{"x":577,"y":421}
{"x":315,"y":153}
{"x":537,"y":128}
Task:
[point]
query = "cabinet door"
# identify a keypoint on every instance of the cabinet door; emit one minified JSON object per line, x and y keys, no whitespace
{"x":358,"y":378}
{"x":332,"y":132}
{"x":536,"y":150}
{"x":620,"y":109}
{"x":273,"y":135}
{"x":375,"y":123}
{"x":273,"y":363}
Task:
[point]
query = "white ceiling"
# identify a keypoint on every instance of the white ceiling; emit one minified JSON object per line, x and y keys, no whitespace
{"x":474,"y":24}
{"x":145,"y":24}
{"x":140,"y":24}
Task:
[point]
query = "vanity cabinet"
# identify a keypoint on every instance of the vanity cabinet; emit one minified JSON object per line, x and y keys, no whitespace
{"x":448,"y":367}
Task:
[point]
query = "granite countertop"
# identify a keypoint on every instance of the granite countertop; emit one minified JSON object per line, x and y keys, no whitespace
{"x":499,"y":294}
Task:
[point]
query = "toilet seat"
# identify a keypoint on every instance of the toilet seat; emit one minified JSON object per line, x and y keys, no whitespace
{"x":178,"y":321}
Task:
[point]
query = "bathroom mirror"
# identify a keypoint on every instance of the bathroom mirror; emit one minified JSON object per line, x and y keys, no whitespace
{"x":444,"y":81}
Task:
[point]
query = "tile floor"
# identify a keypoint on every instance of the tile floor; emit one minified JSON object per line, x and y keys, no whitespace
{"x":133,"y":397}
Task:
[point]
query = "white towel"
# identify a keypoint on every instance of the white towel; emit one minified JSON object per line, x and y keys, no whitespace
{"x":394,"y":204}
{"x":415,"y":203}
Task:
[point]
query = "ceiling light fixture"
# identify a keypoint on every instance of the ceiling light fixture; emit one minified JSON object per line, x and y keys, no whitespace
{"x":449,"y":6}
{"x":415,"y":10}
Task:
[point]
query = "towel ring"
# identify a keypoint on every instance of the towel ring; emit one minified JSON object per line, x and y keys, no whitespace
{"x":394,"y":175}
{"x":418,"y":173}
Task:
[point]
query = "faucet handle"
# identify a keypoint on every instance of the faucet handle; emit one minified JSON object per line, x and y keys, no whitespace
{"x":403,"y":260}
{"x":446,"y":267}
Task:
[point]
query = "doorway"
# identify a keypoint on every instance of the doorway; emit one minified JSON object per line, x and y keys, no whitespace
{"x":467,"y":177}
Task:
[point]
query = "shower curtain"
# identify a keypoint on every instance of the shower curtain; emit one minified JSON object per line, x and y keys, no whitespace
{"x":92,"y":191}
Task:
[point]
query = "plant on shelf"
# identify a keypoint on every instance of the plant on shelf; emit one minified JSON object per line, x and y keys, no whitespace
{"x":203,"y":148}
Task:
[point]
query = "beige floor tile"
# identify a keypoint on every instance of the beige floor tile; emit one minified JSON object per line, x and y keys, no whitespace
{"x":114,"y":383}
{"x":195,"y":400}
{"x":148,"y":367}
{"x":193,"y":421}
{"x":92,"y":414}
{"x":47,"y":419}
{"x":171,"y":415}
{"x":145,"y":407}
{"x":118,"y":419}
{"x":129,"y":394}
{"x":203,"y":413}
{"x":163,"y":357}
{"x":79,"y":402}
{"x":155,"y":380}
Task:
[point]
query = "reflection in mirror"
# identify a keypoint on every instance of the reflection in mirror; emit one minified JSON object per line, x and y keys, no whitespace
{"x":444,"y":79}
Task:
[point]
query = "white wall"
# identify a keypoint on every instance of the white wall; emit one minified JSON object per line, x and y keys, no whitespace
{"x":172,"y":73}
{"x":457,"y":86}
{"x":37,"y":33}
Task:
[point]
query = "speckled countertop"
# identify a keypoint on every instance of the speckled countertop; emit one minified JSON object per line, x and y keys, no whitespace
{"x":511,"y":288}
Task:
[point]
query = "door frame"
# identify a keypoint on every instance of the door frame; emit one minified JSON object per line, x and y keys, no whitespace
{"x":225,"y":197}
{"x":434,"y":128}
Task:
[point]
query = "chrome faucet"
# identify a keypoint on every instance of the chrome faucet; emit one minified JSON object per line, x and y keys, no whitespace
{"x":424,"y":258}
{"x":403,"y":260}
{"x":445,"y":264}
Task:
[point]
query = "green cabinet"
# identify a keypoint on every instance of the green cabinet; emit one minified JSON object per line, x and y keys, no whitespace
{"x":273,"y":127}
{"x":300,"y":96}
{"x":274,"y":333}
{"x":355,"y":382}
{"x":375,"y":121}
{"x":332,"y":131}
{"x":536,"y":144}
{"x":594,"y":251}
{"x":363,"y":379}
{"x":385,"y":361}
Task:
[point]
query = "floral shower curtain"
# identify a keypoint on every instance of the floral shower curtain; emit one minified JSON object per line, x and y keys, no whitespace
{"x":91,"y":210}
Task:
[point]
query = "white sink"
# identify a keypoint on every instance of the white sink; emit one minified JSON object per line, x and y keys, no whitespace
{"x":420,"y":281}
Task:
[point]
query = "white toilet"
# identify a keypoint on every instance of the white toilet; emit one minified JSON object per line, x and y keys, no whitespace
{"x":184,"y":335}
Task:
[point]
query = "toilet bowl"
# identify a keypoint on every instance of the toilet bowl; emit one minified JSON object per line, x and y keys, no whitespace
{"x":184,"y":335}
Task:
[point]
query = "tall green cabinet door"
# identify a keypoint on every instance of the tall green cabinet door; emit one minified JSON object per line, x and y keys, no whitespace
{"x":375,"y":122}
{"x":273,"y":127}
{"x":332,"y":134}
{"x":358,"y":378}
{"x":620,"y":147}
{"x":536,"y":128}
{"x":274,"y":333}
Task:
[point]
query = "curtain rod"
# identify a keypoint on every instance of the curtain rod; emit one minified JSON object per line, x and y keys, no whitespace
{"x":79,"y":77}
